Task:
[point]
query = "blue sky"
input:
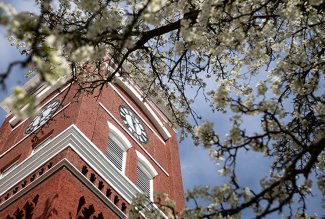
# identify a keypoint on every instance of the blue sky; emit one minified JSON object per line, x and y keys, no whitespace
{"x":197,"y":167}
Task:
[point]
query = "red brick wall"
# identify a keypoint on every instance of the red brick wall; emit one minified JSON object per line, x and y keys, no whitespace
{"x":79,"y":164}
{"x":92,"y":120}
{"x":59,"y":198}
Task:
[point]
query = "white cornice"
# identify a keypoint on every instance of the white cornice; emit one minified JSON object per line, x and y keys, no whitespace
{"x":72,"y":137}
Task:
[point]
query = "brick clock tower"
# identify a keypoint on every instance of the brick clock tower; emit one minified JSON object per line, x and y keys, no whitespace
{"x":86,"y":157}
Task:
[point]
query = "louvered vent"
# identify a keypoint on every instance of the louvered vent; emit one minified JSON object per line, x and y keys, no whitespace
{"x":114,"y":154}
{"x":143,"y":181}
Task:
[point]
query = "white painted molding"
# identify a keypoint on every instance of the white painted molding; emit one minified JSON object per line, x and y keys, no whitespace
{"x":8,"y":169}
{"x":72,"y":137}
{"x":148,"y":169}
{"x":14,"y":120}
{"x":127,"y":87}
{"x":146,"y":164}
{"x":121,"y":140}
{"x":124,"y":142}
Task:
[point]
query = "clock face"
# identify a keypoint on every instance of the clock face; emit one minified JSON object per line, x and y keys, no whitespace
{"x":133,"y":124}
{"x":43,"y":116}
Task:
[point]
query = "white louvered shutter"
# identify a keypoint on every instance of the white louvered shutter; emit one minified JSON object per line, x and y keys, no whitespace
{"x":143,"y":181}
{"x":115,"y":154}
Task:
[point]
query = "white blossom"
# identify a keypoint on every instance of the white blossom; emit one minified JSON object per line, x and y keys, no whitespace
{"x":320,"y":110}
{"x":82,"y":54}
{"x":6,"y":13}
{"x":235,"y":134}
{"x":261,"y":88}
{"x":51,"y":40}
{"x":224,"y":171}
{"x":205,"y":133}
{"x":276,"y":86}
{"x":88,"y":5}
{"x":247,"y":194}
{"x":220,"y":97}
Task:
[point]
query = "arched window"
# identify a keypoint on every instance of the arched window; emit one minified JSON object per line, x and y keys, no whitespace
{"x":117,"y":145}
{"x":145,"y":174}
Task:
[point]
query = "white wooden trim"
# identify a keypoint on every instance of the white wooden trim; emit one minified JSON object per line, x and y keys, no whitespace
{"x":151,"y":189}
{"x":121,"y":140}
{"x":72,"y":137}
{"x":162,"y":115}
{"x":146,"y":164}
{"x":8,"y":169}
{"x":148,"y":169}
{"x":121,"y":137}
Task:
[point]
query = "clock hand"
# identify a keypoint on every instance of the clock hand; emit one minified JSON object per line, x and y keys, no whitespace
{"x":134,"y":125}
{"x":41,"y":118}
